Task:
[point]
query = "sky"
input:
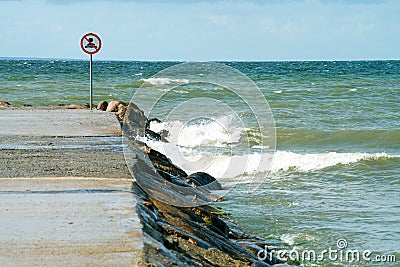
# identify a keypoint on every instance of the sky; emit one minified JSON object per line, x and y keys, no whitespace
{"x":204,"y":30}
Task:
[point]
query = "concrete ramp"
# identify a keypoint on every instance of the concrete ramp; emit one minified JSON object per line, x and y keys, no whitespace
{"x":58,"y":122}
{"x":65,"y":191}
{"x":68,"y":222}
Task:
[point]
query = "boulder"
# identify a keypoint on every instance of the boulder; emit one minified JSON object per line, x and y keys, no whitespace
{"x":156,"y":136}
{"x":113,"y":106}
{"x":184,"y":235}
{"x":152,"y":135}
{"x":134,"y":121}
{"x":121,"y":111}
{"x":4,"y":103}
{"x":172,"y":178}
{"x":163,"y":163}
{"x":74,"y":106}
{"x":203,"y":179}
{"x":102,"y":105}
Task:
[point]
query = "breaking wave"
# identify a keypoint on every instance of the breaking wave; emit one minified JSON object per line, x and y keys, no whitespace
{"x":162,"y":81}
{"x":208,"y":147}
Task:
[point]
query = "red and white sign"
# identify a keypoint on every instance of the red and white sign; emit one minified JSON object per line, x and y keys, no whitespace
{"x":91,"y":43}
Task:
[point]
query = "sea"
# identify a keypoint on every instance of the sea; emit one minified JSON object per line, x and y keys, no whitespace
{"x":329,"y":196}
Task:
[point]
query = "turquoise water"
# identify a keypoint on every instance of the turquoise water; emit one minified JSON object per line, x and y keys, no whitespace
{"x":54,"y":82}
{"x":336,"y":171}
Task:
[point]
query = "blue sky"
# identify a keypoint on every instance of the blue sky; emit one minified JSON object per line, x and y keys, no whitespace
{"x":203,"y":30}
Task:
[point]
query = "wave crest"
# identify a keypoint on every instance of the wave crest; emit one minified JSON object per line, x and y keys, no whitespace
{"x":206,"y":147}
{"x":286,"y":160}
{"x":162,"y":81}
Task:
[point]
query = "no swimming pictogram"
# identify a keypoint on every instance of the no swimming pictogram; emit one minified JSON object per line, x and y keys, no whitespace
{"x":91,"y":43}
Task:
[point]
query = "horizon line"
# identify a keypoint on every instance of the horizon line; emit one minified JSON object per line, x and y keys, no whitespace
{"x":132,"y":60}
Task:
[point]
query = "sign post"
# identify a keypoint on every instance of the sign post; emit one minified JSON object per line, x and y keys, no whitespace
{"x":91,"y":44}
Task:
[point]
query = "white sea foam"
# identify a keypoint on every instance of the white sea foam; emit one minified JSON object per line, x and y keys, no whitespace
{"x":220,"y":133}
{"x":283,"y":161}
{"x":294,"y":239}
{"x":162,"y":81}
{"x":210,"y":147}
{"x":229,"y":166}
{"x":286,"y":160}
{"x":288,"y":239}
{"x":207,"y":147}
{"x":216,"y":164}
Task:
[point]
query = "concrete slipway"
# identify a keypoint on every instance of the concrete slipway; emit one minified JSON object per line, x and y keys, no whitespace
{"x":65,"y":192}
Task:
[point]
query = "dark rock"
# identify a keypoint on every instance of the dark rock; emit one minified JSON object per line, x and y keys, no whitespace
{"x":176,"y":212}
{"x":149,"y":223}
{"x":151,"y":120}
{"x":148,"y":216}
{"x":155,"y":253}
{"x":198,"y":256}
{"x":270,"y":258}
{"x":203,"y":179}
{"x":161,"y":162}
{"x":212,"y":220}
{"x":197,"y":224}
{"x":193,"y":242}
{"x":134,"y":121}
{"x":235,"y":232}
{"x":176,"y":235}
{"x":102,"y":105}
{"x":151,"y":135}
{"x":172,"y":178}
{"x":4,"y":103}
{"x":224,"y":244}
{"x":158,"y":136}
{"x":181,"y":233}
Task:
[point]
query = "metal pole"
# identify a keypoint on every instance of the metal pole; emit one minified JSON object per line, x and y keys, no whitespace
{"x":91,"y":84}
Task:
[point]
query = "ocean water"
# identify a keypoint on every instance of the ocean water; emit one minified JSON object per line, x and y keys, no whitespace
{"x":335,"y":173}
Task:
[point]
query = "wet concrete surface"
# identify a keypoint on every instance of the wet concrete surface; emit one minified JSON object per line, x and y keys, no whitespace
{"x":68,"y":221}
{"x":65,"y":190}
{"x":58,"y":122}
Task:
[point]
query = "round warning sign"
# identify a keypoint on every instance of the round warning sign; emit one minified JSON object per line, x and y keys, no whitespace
{"x":91,"y":43}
